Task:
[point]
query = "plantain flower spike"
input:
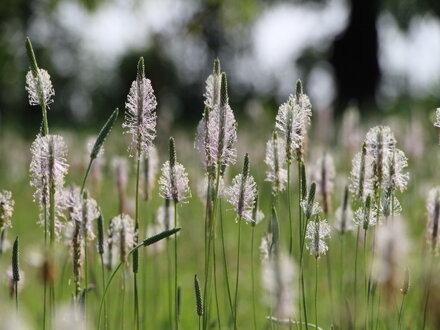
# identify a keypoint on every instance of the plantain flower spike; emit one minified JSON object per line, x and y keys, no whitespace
{"x":276,"y":163}
{"x":316,"y":233}
{"x":122,"y":234}
{"x":48,"y":168}
{"x":361,"y":175}
{"x":174,"y":182}
{"x":292,"y":121}
{"x":217,"y":132}
{"x":242,"y":193}
{"x":6,"y":209}
{"x":140,"y":115}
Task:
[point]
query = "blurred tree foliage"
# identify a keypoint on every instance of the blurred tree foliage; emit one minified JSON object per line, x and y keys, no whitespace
{"x":353,"y":55}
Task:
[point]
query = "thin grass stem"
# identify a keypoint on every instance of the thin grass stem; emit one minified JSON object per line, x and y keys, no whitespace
{"x":238,"y":273}
{"x":253,"y":278}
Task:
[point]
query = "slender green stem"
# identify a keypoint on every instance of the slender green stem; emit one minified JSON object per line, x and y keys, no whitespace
{"x":316,"y":292}
{"x":290,"y":210}
{"x":122,"y":314}
{"x":341,"y":275}
{"x":86,"y":270}
{"x":103,"y":285}
{"x":238,"y":273}
{"x":253,"y":277}
{"x":367,"y":289}
{"x":45,"y":122}
{"x":45,"y":280}
{"x":399,"y":320}
{"x":225,"y":264}
{"x":211,"y":230}
{"x":176,"y":305}
{"x":427,"y":290}
{"x":86,"y":175}
{"x":303,"y":290}
{"x":300,"y":222}
{"x":214,"y":264}
{"x":170,"y":295}
{"x":52,"y":244}
{"x":330,"y":285}
{"x":135,"y":255}
{"x":355,"y":276}
{"x":16,"y":296}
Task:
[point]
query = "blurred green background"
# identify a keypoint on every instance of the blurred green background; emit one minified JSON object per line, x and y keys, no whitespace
{"x":379,"y":55}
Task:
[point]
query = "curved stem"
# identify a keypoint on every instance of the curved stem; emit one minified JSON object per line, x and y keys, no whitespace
{"x":86,"y":175}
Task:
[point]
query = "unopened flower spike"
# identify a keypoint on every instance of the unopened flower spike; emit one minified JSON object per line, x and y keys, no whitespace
{"x":309,"y":206}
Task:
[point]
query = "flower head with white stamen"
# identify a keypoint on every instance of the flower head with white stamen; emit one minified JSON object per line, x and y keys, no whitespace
{"x":33,"y":80}
{"x":140,"y":115}
{"x":292,"y":120}
{"x":122,"y":235}
{"x":217,"y":134}
{"x":361,"y":175}
{"x":241,"y":194}
{"x":48,"y":169}
{"x":174,"y":182}
{"x":279,"y":282}
{"x":366,"y":215}
{"x":276,"y":162}
{"x":6,"y":209}
{"x":316,"y":233}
